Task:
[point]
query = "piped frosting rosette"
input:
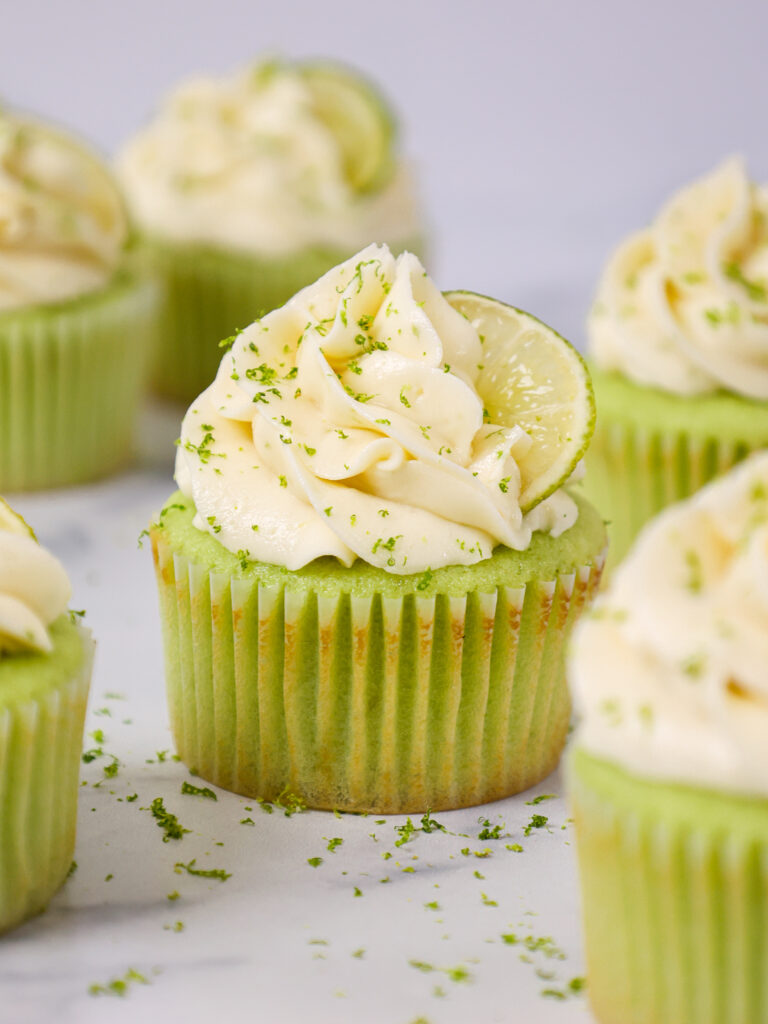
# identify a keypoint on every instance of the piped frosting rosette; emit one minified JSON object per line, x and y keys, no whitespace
{"x":669,"y":669}
{"x":62,"y":222}
{"x":348,"y":423}
{"x":245,"y":161}
{"x":34,"y":587}
{"x":683,"y":304}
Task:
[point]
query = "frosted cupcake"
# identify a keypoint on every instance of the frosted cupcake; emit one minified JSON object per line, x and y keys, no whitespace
{"x":678,"y":341}
{"x":250,"y":186}
{"x":370,"y":569}
{"x":45,"y":668}
{"x":669,"y":780}
{"x":75,"y":320}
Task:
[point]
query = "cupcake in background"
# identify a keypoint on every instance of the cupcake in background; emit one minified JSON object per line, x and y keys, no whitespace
{"x":669,"y":775}
{"x":678,"y":349}
{"x":250,"y":186}
{"x":373,"y":563}
{"x":75,"y":319}
{"x":45,"y":669}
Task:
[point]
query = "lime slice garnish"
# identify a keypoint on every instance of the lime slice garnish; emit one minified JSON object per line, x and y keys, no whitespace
{"x":12,"y":522}
{"x":359,"y":119}
{"x":532,"y":378}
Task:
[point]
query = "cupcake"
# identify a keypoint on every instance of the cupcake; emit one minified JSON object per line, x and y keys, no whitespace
{"x":247,"y":188}
{"x":669,"y":777}
{"x":45,"y":668}
{"x":75,"y":319}
{"x":372,"y":564}
{"x":678,"y":342}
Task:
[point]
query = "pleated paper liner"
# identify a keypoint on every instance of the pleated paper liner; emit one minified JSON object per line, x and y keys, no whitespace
{"x":675,"y":899}
{"x":71,"y":375}
{"x":651,"y":449}
{"x":363,"y":701}
{"x":210,"y":293}
{"x":41,"y":736}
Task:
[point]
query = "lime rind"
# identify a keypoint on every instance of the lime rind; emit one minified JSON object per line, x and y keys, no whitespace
{"x":359,"y":118}
{"x":533,"y":378}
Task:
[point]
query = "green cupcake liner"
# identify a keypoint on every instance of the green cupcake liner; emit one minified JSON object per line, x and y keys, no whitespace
{"x":71,"y":375}
{"x":209,"y":293}
{"x":42,"y":712}
{"x":651,"y":449}
{"x":675,"y":898}
{"x":366,"y":702}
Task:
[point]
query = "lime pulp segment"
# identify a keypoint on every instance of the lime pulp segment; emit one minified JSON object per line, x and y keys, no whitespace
{"x":532,"y":378}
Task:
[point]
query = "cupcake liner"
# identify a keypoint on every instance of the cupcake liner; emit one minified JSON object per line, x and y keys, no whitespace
{"x":40,"y":748}
{"x":71,"y":375}
{"x":210,"y":293}
{"x":379,"y":703}
{"x":675,"y":899}
{"x":633,"y":474}
{"x":651,"y":449}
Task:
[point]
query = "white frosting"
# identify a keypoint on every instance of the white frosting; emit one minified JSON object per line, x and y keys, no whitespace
{"x":670,"y":669}
{"x":62,"y":222}
{"x":245,"y":162}
{"x":34,"y":588}
{"x":683,"y":305}
{"x":347,"y":423}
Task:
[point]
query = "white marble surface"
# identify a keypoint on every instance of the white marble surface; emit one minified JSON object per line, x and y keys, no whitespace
{"x":277,"y":941}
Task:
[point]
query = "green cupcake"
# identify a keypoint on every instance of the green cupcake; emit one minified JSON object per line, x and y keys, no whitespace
{"x":45,"y":668}
{"x":76,"y":319}
{"x":678,"y":340}
{"x":668,"y":776}
{"x":368,"y":577}
{"x":247,"y":188}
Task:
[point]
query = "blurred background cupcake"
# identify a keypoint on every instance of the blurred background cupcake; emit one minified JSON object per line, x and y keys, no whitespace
{"x":249,"y":186}
{"x":75,"y":318}
{"x":45,"y":669}
{"x":374,"y":561}
{"x":678,"y":343}
{"x":669,"y":777}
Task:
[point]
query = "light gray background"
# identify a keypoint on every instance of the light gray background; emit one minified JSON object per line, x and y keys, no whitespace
{"x":543,"y":131}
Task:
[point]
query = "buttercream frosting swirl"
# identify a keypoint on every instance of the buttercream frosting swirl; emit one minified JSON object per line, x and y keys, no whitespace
{"x":244,"y":161}
{"x":670,"y":668}
{"x":683,"y":305}
{"x":34,"y":588}
{"x":62,"y":222}
{"x":348,"y":423}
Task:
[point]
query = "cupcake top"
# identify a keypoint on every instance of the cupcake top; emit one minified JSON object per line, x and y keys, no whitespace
{"x":353,"y":422}
{"x":34,"y":588}
{"x":270,"y":159}
{"x":670,"y":668}
{"x":683,"y":304}
{"x":62,"y":221}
